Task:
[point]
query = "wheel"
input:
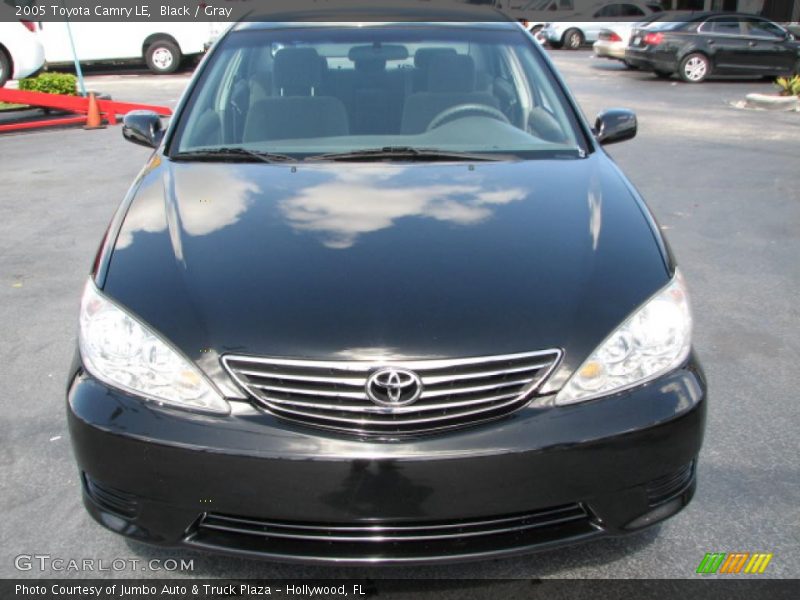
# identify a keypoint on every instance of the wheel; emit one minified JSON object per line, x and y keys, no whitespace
{"x":5,"y":68}
{"x":662,"y":74}
{"x":162,"y":57}
{"x":695,"y":68}
{"x":573,"y":39}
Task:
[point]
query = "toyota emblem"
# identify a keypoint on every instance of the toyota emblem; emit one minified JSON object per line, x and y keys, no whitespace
{"x":393,"y":387}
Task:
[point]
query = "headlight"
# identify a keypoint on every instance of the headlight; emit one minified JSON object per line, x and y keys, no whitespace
{"x":655,"y":339}
{"x":123,"y":352}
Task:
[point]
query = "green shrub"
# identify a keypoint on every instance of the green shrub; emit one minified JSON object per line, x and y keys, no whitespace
{"x":789,"y":86}
{"x":50,"y":83}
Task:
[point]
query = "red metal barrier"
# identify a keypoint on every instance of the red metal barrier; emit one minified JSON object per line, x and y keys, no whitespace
{"x":77,"y":104}
{"x":42,"y":123}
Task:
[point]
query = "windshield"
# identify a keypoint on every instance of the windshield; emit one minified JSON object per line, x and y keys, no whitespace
{"x":321,"y":90}
{"x":542,"y":5}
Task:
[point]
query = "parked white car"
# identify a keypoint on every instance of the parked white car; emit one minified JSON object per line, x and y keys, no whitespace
{"x":21,"y":54}
{"x":534,"y":14}
{"x":162,"y":46}
{"x":584,"y":27}
{"x":613,"y":41}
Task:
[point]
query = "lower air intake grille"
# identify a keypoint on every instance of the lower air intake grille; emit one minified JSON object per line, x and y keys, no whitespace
{"x":450,"y":392}
{"x":385,"y":540}
{"x":110,"y":499}
{"x":670,"y":486}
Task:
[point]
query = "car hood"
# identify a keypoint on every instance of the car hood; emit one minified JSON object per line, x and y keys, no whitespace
{"x":384,"y":260}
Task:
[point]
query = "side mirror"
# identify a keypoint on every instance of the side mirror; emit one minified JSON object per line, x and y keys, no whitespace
{"x":142,"y":127}
{"x":615,"y":125}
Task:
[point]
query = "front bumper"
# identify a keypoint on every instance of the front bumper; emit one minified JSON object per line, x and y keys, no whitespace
{"x":250,"y":483}
{"x":551,"y":35}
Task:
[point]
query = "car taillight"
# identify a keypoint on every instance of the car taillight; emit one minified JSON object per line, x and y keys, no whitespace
{"x":29,"y":25}
{"x":610,"y":36}
{"x":653,"y":39}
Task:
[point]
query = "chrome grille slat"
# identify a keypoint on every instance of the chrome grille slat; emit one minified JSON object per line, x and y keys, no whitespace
{"x":473,"y":389}
{"x":405,"y":421}
{"x":353,"y":381}
{"x":374,"y":409}
{"x":437,"y":379}
{"x":414,"y":365}
{"x":311,"y":392}
{"x":455,"y":392}
{"x":386,"y":537}
{"x":574,"y":511}
{"x":400,"y":533}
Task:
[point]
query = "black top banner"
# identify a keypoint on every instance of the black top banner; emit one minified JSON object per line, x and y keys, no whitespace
{"x":384,"y":10}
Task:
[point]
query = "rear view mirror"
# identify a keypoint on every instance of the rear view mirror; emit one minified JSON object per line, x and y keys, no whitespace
{"x":143,"y":127}
{"x":615,"y":125}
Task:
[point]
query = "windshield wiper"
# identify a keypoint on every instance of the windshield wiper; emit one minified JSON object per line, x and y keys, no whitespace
{"x":229,"y":153}
{"x":408,"y":153}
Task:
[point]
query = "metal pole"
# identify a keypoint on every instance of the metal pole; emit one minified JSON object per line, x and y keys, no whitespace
{"x":78,"y":71}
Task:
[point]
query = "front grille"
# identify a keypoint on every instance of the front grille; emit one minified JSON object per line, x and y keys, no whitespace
{"x":670,"y":486}
{"x":333,"y":393}
{"x":390,"y":540}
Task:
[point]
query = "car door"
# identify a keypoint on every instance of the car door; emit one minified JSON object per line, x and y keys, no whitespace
{"x":770,"y":51}
{"x":722,"y":39}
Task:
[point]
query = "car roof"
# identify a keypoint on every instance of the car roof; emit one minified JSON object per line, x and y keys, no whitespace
{"x":281,"y":13}
{"x":697,"y":16}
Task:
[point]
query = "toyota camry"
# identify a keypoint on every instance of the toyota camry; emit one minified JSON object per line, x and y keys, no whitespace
{"x":379,"y":295}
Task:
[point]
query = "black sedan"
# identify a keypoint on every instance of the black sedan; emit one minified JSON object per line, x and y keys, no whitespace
{"x":381,"y":296}
{"x":709,"y":44}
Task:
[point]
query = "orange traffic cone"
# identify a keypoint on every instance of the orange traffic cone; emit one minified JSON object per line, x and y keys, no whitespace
{"x":93,"y":118}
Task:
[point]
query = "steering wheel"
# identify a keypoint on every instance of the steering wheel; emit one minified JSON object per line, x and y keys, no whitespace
{"x":455,"y":112}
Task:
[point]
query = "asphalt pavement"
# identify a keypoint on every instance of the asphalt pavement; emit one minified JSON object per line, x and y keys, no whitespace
{"x":723,"y":184}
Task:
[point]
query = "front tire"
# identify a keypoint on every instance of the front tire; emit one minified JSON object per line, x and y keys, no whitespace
{"x":5,"y":68}
{"x":162,"y":57}
{"x":695,"y":68}
{"x":573,"y":39}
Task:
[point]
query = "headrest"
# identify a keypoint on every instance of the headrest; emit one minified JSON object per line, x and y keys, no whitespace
{"x":423,"y":56}
{"x":297,"y":70}
{"x":452,"y":73}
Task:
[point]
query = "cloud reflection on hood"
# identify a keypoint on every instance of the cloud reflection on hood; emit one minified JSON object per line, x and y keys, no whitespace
{"x":363,"y":200}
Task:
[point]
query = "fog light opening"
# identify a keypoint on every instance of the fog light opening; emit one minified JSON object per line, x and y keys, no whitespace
{"x":658,"y":514}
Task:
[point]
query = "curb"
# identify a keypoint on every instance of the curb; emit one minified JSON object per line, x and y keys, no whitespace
{"x":770,"y":102}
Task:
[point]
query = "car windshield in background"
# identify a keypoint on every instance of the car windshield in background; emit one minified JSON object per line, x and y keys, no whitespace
{"x":410,"y":92}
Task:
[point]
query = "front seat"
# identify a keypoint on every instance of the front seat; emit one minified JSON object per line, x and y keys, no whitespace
{"x":295,"y":111}
{"x":451,"y":81}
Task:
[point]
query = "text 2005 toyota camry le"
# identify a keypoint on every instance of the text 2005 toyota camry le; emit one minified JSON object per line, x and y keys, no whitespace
{"x":379,"y":295}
